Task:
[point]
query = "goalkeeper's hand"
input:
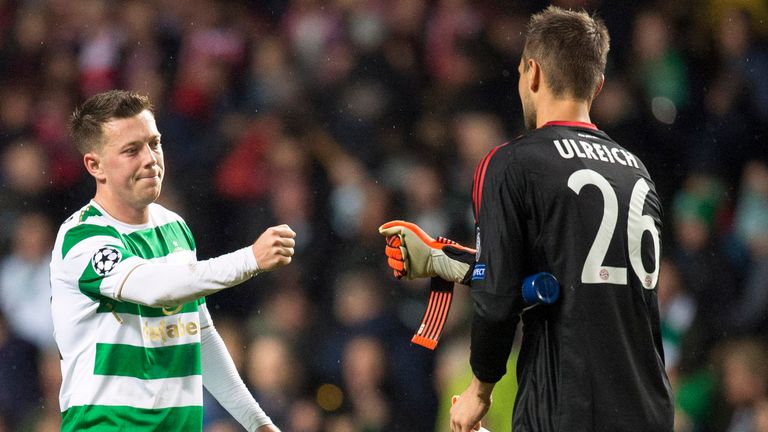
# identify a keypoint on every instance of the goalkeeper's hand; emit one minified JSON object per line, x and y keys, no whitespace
{"x":413,"y":254}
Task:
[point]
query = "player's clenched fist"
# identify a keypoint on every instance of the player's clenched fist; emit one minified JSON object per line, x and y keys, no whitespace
{"x":274,"y":248}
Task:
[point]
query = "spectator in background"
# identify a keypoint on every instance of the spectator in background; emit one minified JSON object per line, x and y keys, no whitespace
{"x":423,"y":199}
{"x":18,"y":378}
{"x":310,"y":28}
{"x":743,"y":59}
{"x":99,"y":48}
{"x":744,"y":370}
{"x":475,"y":134}
{"x":685,"y":358}
{"x":725,"y":137}
{"x":359,"y":307}
{"x":291,"y":197}
{"x":750,"y":313}
{"x":25,"y":289}
{"x":450,"y":21}
{"x":25,"y":169}
{"x":243,"y":177}
{"x":677,"y":310}
{"x":761,"y":417}
{"x":736,"y":102}
{"x":49,"y":125}
{"x":47,"y":417}
{"x":660,"y":68}
{"x":355,"y":201}
{"x":146,"y":59}
{"x":371,"y":400}
{"x":305,"y":416}
{"x":210,"y":50}
{"x":657,"y":73}
{"x":16,"y":108}
{"x":356,"y":102}
{"x":142,"y":52}
{"x":340,"y":423}
{"x":27,"y":43}
{"x":272,"y":83}
{"x":707,"y":277}
{"x":24,"y":174}
{"x":361,"y":310}
{"x":274,"y":375}
{"x":290,"y":313}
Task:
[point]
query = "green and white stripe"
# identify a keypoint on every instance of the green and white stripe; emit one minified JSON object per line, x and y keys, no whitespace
{"x":128,"y":418}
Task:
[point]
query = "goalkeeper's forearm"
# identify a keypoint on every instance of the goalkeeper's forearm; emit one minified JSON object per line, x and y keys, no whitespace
{"x":172,"y":284}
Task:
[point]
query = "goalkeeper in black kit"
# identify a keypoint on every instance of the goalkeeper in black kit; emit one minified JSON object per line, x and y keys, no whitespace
{"x":565,"y":199}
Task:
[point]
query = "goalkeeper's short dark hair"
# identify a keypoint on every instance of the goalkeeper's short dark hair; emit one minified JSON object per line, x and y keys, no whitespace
{"x":572,"y":49}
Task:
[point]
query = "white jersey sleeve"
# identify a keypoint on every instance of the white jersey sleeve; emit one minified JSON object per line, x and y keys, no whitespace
{"x":169,"y":284}
{"x":221,"y":378}
{"x":104,"y":266}
{"x":100,"y":262}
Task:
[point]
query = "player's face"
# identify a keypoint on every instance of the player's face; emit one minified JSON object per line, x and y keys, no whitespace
{"x":131,"y":162}
{"x":529,"y":109}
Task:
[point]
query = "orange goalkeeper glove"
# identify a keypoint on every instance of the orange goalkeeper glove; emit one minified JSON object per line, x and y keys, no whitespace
{"x":413,"y":254}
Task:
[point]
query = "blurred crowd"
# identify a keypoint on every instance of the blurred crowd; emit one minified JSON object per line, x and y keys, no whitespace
{"x":334,"y":116}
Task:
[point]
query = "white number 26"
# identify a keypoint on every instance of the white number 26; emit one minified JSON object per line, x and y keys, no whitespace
{"x":637,"y":223}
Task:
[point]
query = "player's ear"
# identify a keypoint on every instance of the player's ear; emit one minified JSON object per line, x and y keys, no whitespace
{"x":533,"y":75}
{"x":92,"y":163}
{"x":599,"y":86}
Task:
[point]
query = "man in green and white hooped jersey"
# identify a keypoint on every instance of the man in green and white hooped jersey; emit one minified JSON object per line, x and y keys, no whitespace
{"x":137,"y":342}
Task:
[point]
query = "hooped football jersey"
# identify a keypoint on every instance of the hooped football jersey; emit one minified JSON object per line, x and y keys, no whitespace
{"x":124,"y":366}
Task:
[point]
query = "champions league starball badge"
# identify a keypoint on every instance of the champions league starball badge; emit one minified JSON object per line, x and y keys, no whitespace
{"x":105,"y":259}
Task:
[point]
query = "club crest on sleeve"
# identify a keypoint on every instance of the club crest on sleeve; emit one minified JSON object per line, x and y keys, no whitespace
{"x":105,"y":259}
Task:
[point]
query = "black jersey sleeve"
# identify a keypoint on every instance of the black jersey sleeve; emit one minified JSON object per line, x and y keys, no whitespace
{"x":500,"y":221}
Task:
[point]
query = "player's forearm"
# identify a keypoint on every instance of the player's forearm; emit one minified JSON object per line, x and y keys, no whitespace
{"x":482,"y":390}
{"x":171,"y":284}
{"x":220,"y":377}
{"x":491,"y":342}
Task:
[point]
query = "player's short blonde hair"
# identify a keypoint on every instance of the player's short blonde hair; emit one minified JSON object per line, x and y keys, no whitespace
{"x":571,"y":48}
{"x":87,"y":120}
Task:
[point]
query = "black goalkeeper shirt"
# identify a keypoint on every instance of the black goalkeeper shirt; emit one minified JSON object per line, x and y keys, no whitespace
{"x":566,"y":199}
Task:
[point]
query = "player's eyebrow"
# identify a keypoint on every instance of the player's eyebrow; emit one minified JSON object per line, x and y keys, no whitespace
{"x":151,"y":138}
